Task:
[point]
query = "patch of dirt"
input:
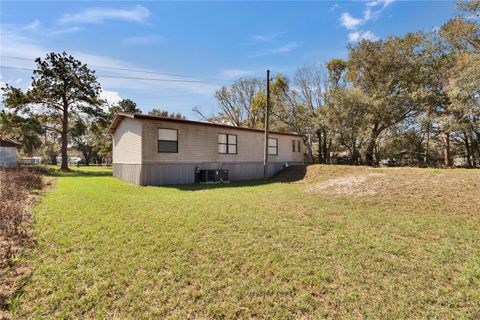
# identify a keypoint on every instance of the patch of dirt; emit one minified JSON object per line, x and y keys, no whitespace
{"x":355,"y":185}
{"x":399,"y":189}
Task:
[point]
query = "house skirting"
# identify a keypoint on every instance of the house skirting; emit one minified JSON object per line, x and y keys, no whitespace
{"x":159,"y":174}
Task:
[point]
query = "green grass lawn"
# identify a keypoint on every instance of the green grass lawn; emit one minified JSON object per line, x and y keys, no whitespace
{"x":344,"y":242}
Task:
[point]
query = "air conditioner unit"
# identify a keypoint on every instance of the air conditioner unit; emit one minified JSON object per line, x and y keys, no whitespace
{"x":212,"y":176}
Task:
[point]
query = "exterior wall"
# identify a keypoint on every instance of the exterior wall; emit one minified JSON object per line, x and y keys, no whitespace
{"x":127,"y":151}
{"x":8,"y":157}
{"x":136,"y":158}
{"x":127,"y":142}
{"x":199,"y":143}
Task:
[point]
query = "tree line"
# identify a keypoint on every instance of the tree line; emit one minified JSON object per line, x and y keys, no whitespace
{"x":411,"y":100}
{"x":407,"y":100}
{"x":61,"y":111}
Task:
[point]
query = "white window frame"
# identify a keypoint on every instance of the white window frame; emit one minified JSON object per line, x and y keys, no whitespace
{"x":227,"y":144}
{"x":275,"y":145}
{"x":167,"y":140}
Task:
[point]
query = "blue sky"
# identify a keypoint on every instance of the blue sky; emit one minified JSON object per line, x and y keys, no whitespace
{"x":216,"y":42}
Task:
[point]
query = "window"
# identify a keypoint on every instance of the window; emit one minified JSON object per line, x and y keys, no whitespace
{"x":168,"y":140}
{"x":227,"y":143}
{"x":298,"y":146}
{"x":272,"y":146}
{"x":293,"y":145}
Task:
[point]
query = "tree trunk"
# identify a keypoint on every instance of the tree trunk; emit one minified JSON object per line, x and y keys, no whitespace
{"x":354,"y":159}
{"x":53,"y":159}
{"x":475,"y":152}
{"x":64,"y":166}
{"x":426,"y":159}
{"x":447,"y":160}
{"x":86,"y":155}
{"x":369,"y":153}
{"x":308,"y":143}
{"x":475,"y":146}
{"x":325,"y":148}
{"x":320,"y":153}
{"x":468,"y":150}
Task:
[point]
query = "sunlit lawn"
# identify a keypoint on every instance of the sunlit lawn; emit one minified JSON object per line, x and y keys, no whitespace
{"x":408,"y":249}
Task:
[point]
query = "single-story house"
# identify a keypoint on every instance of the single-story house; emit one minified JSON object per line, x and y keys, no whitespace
{"x":8,"y":153}
{"x":150,"y":150}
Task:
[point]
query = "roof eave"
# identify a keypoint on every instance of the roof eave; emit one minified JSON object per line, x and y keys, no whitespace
{"x":120,"y":115}
{"x":117,"y":119}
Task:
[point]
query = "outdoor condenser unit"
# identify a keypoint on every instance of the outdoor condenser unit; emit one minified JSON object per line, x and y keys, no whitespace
{"x":212,"y":176}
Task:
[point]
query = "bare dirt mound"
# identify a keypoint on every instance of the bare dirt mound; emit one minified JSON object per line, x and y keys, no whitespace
{"x":353,"y":185}
{"x":408,"y":189}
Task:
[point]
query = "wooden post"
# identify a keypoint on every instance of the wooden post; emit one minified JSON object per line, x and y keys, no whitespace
{"x":267,"y":114}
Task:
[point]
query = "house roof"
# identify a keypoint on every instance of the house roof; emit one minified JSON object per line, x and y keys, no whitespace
{"x":122,"y":115}
{"x":6,"y":142}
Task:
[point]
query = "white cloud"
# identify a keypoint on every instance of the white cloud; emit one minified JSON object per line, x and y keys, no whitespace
{"x":137,"y":14}
{"x":62,"y":31}
{"x":285,"y":48}
{"x":264,"y":37}
{"x":374,"y":8}
{"x":33,"y":26}
{"x":334,"y":7}
{"x":372,"y":11}
{"x":236,"y":73}
{"x":350,"y":22}
{"x":362,"y":35}
{"x":143,"y":40}
{"x":19,"y":43}
{"x":278,"y":50}
{"x":353,"y":36}
{"x":36,"y":27}
{"x":112,"y":97}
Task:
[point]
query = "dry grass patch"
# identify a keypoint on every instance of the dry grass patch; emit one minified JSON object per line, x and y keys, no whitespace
{"x":422,"y":190}
{"x":19,"y":189}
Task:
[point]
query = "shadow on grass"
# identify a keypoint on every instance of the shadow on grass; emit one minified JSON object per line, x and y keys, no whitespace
{"x":288,"y":175}
{"x":55,"y":171}
{"x":80,"y":173}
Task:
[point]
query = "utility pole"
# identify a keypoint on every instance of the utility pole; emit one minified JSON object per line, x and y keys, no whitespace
{"x":267,"y":114}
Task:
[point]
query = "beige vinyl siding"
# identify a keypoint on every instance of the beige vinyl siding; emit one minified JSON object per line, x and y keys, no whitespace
{"x":198,"y":143}
{"x":127,"y":142}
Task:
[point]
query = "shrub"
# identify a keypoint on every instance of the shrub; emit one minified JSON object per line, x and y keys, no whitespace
{"x":16,"y":186}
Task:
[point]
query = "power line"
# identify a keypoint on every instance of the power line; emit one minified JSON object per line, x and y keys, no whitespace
{"x":120,"y":77}
{"x":130,"y":70}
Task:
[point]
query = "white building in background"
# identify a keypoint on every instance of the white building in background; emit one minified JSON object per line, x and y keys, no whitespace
{"x":71,"y":160}
{"x":8,"y":153}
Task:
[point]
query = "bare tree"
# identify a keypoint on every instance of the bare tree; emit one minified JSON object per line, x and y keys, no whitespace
{"x":239,"y":105}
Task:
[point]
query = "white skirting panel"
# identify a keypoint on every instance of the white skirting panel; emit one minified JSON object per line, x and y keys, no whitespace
{"x":159,"y":174}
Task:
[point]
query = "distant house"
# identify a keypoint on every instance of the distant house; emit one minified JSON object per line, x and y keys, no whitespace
{"x":29,"y":161}
{"x":150,"y":150}
{"x":71,"y":160}
{"x":8,"y":153}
